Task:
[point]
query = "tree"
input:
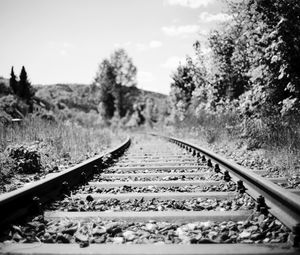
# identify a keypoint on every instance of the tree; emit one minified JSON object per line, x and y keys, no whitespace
{"x":115,"y":77}
{"x":13,"y":81}
{"x":25,"y":90}
{"x":257,"y":56}
{"x":124,"y":69}
{"x":182,"y":89}
{"x":105,"y":79}
{"x":187,"y":79}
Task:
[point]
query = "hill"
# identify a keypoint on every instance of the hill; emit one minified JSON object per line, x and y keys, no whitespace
{"x":72,"y":100}
{"x":81,"y":103}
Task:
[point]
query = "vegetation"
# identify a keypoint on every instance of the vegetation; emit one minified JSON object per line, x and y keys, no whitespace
{"x":248,"y":85}
{"x":245,"y":91}
{"x":39,"y":146}
{"x":64,"y":119}
{"x":113,"y":76}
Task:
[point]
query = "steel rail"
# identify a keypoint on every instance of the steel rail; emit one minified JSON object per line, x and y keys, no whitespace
{"x":287,"y":203}
{"x":16,"y":204}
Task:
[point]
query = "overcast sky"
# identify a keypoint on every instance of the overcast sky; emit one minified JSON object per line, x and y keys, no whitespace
{"x":63,"y":41}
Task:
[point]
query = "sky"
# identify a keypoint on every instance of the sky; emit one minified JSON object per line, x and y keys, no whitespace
{"x":63,"y":41}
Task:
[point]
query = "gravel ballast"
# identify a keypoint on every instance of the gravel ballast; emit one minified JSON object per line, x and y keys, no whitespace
{"x":258,"y":229}
{"x":240,"y":202}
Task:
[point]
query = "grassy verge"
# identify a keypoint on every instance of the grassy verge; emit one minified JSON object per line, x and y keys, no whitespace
{"x":45,"y":147}
{"x":251,"y":144}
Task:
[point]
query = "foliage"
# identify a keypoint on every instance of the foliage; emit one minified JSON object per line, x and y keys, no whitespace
{"x":113,"y":75}
{"x":27,"y":158}
{"x":253,"y":74}
{"x":25,"y":89}
{"x":21,"y":88}
{"x":81,"y":104}
{"x":13,"y":107}
{"x":186,"y":79}
{"x":13,"y":81}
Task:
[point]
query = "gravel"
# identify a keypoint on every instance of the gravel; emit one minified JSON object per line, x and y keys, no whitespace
{"x":292,"y":183}
{"x":240,"y":202}
{"x":200,"y":169}
{"x":208,"y":176}
{"x":257,"y":229}
{"x":223,"y":186}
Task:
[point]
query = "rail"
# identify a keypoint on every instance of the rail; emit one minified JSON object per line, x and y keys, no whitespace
{"x":284,"y":204}
{"x":16,"y":204}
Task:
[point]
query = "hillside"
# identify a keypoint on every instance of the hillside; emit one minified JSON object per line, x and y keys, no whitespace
{"x":83,"y":97}
{"x":73,"y":99}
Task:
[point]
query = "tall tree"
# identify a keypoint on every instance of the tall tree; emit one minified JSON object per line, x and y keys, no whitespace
{"x":13,"y":83}
{"x":105,"y":80}
{"x":124,"y":69}
{"x":25,"y":88}
{"x":182,"y":88}
{"x":115,"y":77}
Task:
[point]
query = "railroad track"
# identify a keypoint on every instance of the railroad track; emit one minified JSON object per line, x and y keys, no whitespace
{"x":163,"y":196}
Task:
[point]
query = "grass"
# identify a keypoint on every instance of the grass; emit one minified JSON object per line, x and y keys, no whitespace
{"x":279,"y":145}
{"x":59,"y":144}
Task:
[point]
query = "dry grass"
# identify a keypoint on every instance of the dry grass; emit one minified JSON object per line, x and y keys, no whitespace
{"x":58,"y":143}
{"x":279,"y":146}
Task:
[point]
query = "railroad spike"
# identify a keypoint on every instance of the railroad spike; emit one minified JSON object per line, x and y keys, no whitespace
{"x":194,"y":153}
{"x":36,"y":206}
{"x":83,"y":177}
{"x":240,"y":187}
{"x":209,"y":164}
{"x":226,"y":176}
{"x":217,"y":168}
{"x":261,"y":205}
{"x":65,"y":188}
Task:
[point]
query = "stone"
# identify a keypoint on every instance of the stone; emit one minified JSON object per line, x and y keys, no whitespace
{"x":63,"y":238}
{"x":129,"y":235}
{"x":89,"y":198}
{"x":81,"y":237}
{"x":100,"y":239}
{"x":212,"y":235}
{"x":191,"y":226}
{"x":252,"y":228}
{"x":99,"y":231}
{"x":113,"y":228}
{"x":256,"y":236}
{"x":84,"y":244}
{"x":247,"y":241}
{"x":245,"y":234}
{"x":276,"y":240}
{"x":118,"y":240}
{"x":151,"y":227}
{"x":70,"y":230}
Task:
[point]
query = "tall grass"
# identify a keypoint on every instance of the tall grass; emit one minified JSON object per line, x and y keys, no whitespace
{"x":58,"y":143}
{"x":278,"y":142}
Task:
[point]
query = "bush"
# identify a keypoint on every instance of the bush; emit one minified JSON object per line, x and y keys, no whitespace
{"x":27,"y":158}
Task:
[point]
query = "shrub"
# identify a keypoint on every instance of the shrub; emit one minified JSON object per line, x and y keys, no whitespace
{"x":27,"y":158}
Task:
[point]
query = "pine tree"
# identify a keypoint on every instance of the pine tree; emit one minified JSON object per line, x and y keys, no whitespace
{"x":25,"y":89}
{"x":13,"y":81}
